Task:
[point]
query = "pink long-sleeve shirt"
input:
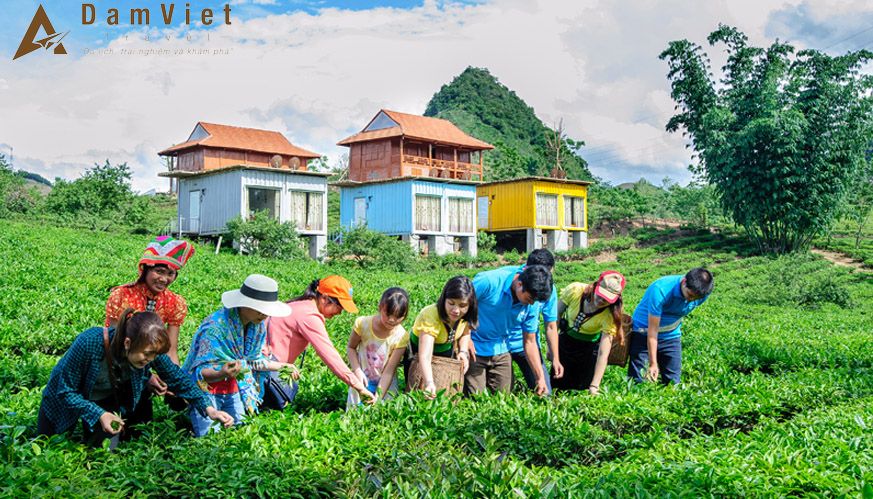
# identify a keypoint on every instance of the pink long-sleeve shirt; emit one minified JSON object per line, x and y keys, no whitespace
{"x":287,"y":337}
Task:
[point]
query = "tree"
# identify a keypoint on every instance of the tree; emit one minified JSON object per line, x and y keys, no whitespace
{"x":101,"y":191}
{"x":780,"y":138}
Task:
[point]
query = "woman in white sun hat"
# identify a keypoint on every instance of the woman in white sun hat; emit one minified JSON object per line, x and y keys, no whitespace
{"x":225,"y":357}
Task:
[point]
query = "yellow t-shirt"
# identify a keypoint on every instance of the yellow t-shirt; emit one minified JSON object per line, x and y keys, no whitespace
{"x":373,"y":352}
{"x":428,"y":322}
{"x":601,"y":322}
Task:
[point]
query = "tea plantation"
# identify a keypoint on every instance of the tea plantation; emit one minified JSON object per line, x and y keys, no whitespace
{"x":777,"y":398}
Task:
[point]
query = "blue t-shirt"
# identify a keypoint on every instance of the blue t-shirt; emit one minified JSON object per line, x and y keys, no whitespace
{"x":499,"y":315}
{"x":664,"y":299}
{"x":549,"y":311}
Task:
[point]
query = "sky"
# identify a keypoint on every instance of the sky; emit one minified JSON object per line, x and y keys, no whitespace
{"x":319,"y":70}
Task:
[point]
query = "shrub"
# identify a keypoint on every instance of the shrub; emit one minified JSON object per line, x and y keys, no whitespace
{"x":263,"y":235}
{"x":101,"y":191}
{"x":370,"y":249}
{"x":486,"y":242}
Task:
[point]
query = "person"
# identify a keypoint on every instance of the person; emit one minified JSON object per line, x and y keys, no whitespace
{"x":225,"y":357}
{"x":657,"y":324}
{"x":549,"y":313}
{"x":377,"y":345}
{"x":506,"y":296}
{"x":440,"y":325}
{"x":158,"y":268}
{"x":82,"y":386}
{"x":288,"y":337}
{"x":590,"y":310}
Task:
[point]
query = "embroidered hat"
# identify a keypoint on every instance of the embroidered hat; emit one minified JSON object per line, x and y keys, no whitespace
{"x":609,"y":286}
{"x":338,"y":287}
{"x":164,"y":250}
{"x":260,"y":293}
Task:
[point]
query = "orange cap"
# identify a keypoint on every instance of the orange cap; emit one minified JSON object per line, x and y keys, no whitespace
{"x":338,"y":287}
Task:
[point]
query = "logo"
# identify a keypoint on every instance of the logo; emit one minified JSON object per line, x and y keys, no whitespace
{"x":52,"y":39}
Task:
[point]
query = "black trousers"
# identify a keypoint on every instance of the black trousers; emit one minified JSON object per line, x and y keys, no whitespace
{"x":578,"y":358}
{"x":142,"y":413}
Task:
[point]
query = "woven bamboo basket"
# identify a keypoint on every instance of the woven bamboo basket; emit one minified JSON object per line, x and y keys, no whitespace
{"x":448,"y":375}
{"x":618,"y":353}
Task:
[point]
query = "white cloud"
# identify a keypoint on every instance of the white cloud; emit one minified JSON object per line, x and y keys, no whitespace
{"x":319,"y":78}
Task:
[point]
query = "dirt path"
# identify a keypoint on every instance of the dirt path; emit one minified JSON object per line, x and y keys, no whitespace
{"x":840,"y":259}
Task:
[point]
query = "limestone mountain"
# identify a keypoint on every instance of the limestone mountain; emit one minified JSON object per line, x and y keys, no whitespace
{"x":481,"y":106}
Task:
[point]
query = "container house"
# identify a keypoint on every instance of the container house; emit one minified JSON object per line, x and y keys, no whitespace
{"x":222,"y":172}
{"x":414,"y":177}
{"x":535,"y":212}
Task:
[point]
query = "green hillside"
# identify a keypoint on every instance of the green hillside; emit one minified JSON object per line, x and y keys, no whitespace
{"x":486,"y":109}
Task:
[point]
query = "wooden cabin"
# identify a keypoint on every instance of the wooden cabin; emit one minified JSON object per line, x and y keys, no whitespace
{"x":535,"y":212}
{"x":395,"y":145}
{"x":225,"y":171}
{"x":435,"y":216}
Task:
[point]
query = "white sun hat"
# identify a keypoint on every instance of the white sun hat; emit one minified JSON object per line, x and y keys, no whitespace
{"x":260,"y":293}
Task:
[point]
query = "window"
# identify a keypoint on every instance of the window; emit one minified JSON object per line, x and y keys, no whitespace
{"x":428,"y":213}
{"x":306,"y":210}
{"x":263,"y":200}
{"x":547,"y":210}
{"x":574,"y":211}
{"x":460,"y":215}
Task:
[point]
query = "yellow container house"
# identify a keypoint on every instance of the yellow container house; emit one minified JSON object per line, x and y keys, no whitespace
{"x":535,"y":212}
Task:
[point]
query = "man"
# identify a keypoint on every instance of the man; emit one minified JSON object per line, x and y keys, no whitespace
{"x":657,"y":324}
{"x":505,"y":297}
{"x":549,"y":312}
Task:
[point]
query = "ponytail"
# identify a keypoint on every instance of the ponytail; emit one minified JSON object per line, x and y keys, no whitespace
{"x":311,"y":292}
{"x":144,"y":329}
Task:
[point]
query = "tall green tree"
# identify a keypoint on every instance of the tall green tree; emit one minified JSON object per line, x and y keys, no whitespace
{"x":102,"y":190}
{"x":782,"y":135}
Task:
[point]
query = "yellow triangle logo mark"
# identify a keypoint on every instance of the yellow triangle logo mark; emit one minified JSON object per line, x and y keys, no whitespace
{"x":52,"y":39}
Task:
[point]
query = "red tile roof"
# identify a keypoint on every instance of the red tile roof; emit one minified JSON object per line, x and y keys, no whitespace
{"x":243,"y":139}
{"x":419,"y":127}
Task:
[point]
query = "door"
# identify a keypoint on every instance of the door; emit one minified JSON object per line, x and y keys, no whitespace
{"x":194,"y":211}
{"x":360,"y":212}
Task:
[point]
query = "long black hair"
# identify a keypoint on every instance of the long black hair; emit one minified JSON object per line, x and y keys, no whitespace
{"x":310,"y":293}
{"x":459,"y":288}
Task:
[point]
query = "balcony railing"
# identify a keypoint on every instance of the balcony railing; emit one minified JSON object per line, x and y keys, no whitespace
{"x":440,"y":168}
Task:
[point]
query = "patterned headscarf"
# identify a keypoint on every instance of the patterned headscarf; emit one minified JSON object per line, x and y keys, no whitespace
{"x":220,"y":339}
{"x":164,"y":250}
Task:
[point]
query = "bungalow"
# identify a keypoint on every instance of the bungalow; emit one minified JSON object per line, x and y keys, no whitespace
{"x":225,"y":171}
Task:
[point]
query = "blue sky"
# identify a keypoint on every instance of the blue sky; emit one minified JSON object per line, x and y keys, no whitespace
{"x":317,"y":71}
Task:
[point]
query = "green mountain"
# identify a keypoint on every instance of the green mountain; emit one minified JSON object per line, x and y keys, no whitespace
{"x":484,"y":108}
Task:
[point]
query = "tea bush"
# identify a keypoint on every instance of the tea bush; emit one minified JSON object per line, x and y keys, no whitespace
{"x":774,"y":402}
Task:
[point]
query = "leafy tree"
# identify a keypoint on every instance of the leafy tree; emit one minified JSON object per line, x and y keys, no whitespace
{"x":101,"y":191}
{"x":780,"y":137}
{"x":15,"y":196}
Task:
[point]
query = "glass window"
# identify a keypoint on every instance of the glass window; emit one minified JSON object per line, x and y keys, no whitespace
{"x":460,"y":215}
{"x":306,"y":210}
{"x":547,"y":210}
{"x":574,"y":211}
{"x":261,"y":199}
{"x":428,"y":213}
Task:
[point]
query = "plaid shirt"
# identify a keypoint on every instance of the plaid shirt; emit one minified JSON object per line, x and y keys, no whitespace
{"x":65,"y":398}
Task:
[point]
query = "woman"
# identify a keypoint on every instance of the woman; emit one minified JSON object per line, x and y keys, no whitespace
{"x":84,"y":386}
{"x":439,"y":326}
{"x":590,"y":311}
{"x":226,"y":358}
{"x":158,"y":268}
{"x":288,"y":337}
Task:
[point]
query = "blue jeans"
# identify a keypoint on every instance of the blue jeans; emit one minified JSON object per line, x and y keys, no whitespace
{"x":669,"y":358}
{"x":230,"y":403}
{"x":520,"y":358}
